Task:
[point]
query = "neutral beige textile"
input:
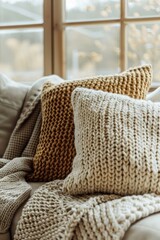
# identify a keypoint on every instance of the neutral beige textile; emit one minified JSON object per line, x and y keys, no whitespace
{"x":34,"y":186}
{"x":5,"y":236}
{"x":14,"y":190}
{"x":117,"y":140}
{"x":12,"y":95}
{"x":145,"y":229}
{"x":25,"y":125}
{"x":51,"y":215}
{"x":154,"y":96}
{"x":46,"y":190}
{"x":9,"y":235}
{"x":55,"y":151}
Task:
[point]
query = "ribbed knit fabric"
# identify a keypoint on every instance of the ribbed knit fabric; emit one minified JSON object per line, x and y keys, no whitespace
{"x":52,"y":215}
{"x":13,"y":188}
{"x":25,"y":136}
{"x":25,"y":125}
{"x":117,"y":141}
{"x":55,"y":151}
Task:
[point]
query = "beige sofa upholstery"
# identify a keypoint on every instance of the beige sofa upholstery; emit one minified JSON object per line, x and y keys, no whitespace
{"x":5,"y":236}
{"x":12,"y":97}
{"x":145,"y":229}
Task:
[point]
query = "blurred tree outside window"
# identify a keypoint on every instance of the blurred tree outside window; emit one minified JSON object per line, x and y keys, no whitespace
{"x":78,"y":38}
{"x":109,"y":36}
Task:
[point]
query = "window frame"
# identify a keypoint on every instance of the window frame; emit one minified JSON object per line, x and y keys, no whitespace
{"x":46,"y":25}
{"x":54,"y":26}
{"x":59,"y":27}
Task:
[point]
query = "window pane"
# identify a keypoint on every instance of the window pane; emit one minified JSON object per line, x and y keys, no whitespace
{"x":92,"y":50}
{"x":144,"y":46}
{"x":143,"y":8}
{"x":21,"y":11}
{"x":91,"y":9}
{"x":21,"y":55}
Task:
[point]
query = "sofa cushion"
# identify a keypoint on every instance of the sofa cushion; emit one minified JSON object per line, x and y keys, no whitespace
{"x":154,"y":96}
{"x":12,"y":95}
{"x":145,"y":229}
{"x":117,"y":144}
{"x":55,"y":151}
{"x":5,"y":236}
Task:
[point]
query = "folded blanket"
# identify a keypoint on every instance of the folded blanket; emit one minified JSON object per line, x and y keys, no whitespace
{"x":13,"y":188}
{"x":51,"y":214}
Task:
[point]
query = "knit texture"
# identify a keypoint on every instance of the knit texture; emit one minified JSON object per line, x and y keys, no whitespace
{"x":23,"y":142}
{"x":25,"y":136}
{"x":50,"y":214}
{"x":55,"y":151}
{"x":24,"y":128}
{"x":13,"y":188}
{"x":117,"y":141}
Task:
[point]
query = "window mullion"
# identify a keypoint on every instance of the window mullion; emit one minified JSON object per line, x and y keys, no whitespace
{"x":8,"y":27}
{"x":92,"y":22}
{"x":122,"y":37}
{"x":58,"y":41}
{"x":48,"y":38}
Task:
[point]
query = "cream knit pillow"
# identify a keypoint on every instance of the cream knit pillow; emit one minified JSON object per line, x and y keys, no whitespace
{"x":55,"y":151}
{"x":117,"y":142}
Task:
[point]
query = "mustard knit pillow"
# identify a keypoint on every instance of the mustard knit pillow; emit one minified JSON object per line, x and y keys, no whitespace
{"x":117,"y":141}
{"x":55,"y":151}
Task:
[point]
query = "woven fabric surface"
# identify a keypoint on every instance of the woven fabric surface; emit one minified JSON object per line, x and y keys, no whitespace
{"x":50,"y":214}
{"x":25,"y":127}
{"x":25,"y":136}
{"x":13,"y":188}
{"x":117,"y":141}
{"x":55,"y":151}
{"x":23,"y":142}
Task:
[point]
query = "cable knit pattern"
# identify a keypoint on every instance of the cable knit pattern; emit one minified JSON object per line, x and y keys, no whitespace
{"x":55,"y":151}
{"x":117,"y":141}
{"x":50,"y":214}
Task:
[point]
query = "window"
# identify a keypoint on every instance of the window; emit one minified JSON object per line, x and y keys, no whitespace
{"x":107,"y":36}
{"x":21,"y":39}
{"x":78,"y":38}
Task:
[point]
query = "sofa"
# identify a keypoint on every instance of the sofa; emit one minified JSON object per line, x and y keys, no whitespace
{"x":16,"y":101}
{"x":20,"y":127}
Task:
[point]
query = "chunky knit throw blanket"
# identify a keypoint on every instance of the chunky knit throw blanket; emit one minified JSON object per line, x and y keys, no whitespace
{"x":50,"y":214}
{"x":13,"y":188}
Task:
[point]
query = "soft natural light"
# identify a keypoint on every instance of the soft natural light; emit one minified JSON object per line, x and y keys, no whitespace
{"x":90,"y":37}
